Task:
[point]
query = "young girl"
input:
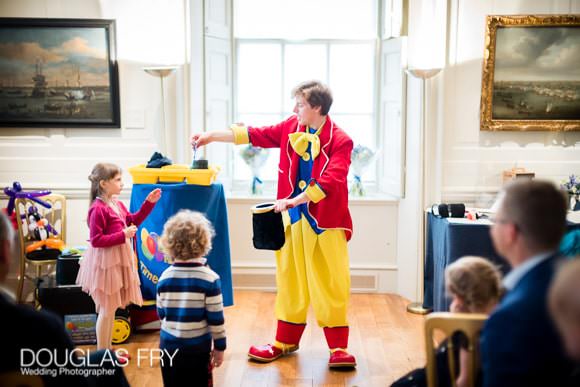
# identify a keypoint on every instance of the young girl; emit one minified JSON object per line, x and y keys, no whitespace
{"x":474,"y":285}
{"x":107,"y":271}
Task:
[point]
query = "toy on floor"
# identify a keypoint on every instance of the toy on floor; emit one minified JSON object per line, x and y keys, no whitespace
{"x":122,"y":327}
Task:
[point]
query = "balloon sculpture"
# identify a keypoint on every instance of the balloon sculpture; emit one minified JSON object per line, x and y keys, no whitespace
{"x":16,"y":192}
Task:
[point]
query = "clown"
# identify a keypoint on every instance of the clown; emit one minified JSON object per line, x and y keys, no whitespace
{"x":313,"y":265}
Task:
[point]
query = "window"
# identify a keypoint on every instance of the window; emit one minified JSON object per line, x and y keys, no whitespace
{"x":271,"y":59}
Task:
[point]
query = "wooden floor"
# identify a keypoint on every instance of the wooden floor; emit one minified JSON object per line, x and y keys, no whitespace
{"x":386,"y":340}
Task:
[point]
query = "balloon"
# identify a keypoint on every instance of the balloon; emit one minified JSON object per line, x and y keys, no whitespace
{"x":159,"y":257}
{"x":144,"y":234}
{"x":146,"y":252}
{"x":16,"y":192}
{"x":151,"y":245}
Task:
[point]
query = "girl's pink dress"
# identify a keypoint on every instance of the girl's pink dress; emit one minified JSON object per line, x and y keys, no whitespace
{"x":108,"y":269}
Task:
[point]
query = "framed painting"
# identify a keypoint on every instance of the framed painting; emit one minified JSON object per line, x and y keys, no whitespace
{"x":531,"y":73}
{"x":58,"y":73}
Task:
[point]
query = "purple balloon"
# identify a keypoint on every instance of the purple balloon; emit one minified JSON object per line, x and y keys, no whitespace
{"x":159,"y":256}
{"x":17,"y":192}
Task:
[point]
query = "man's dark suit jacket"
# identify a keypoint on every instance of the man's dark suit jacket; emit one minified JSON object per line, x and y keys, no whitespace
{"x":519,"y":344}
{"x":24,"y":327}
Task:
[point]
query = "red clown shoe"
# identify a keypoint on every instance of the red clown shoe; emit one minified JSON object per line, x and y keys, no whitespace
{"x":287,"y":339}
{"x":267,"y":353}
{"x":337,"y":339}
{"x":341,"y":359}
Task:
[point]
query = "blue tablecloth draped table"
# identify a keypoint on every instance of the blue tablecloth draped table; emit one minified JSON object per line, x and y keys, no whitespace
{"x":449,"y":239}
{"x":210,"y":200}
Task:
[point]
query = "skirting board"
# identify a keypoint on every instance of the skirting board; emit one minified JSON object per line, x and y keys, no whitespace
{"x":381,"y":280}
{"x":367,"y":280}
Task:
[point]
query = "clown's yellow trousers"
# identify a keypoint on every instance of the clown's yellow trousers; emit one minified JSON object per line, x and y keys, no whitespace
{"x":313,"y":269}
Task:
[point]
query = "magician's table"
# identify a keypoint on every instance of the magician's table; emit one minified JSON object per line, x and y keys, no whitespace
{"x":209,"y":200}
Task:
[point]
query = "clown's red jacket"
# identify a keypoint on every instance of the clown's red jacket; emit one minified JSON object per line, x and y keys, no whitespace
{"x":328,"y":188}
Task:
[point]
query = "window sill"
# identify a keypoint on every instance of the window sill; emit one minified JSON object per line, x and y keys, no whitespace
{"x":370,"y":199}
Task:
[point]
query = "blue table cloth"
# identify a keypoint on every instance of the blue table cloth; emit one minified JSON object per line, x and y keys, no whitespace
{"x":448,"y":240}
{"x":210,"y":200}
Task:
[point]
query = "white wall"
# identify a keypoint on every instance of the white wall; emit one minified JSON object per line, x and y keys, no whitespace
{"x":464,"y":164}
{"x":153,"y":32}
{"x":372,"y":249}
{"x":409,"y":223}
{"x":472,"y":160}
{"x":63,"y":158}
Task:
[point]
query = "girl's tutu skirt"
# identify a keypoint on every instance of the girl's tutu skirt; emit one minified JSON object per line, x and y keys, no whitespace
{"x":110,"y":276}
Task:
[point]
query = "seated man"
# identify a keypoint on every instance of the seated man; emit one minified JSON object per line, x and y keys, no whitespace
{"x":39,"y":340}
{"x":520,"y":346}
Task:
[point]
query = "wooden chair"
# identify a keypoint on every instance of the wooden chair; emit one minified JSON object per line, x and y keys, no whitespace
{"x":17,"y":379}
{"x":449,"y":323}
{"x":42,"y":258}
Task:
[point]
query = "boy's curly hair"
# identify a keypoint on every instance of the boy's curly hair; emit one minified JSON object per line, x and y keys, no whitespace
{"x":187,"y":235}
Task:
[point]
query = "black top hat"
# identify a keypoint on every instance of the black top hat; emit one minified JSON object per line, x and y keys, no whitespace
{"x":268,"y":227}
{"x":199,"y":164}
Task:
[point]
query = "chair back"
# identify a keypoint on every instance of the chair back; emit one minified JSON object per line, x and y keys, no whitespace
{"x":470,"y":324}
{"x":17,"y":379}
{"x":56,"y":216}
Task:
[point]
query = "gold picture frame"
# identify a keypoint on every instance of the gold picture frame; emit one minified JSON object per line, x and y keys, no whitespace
{"x":531,"y":73}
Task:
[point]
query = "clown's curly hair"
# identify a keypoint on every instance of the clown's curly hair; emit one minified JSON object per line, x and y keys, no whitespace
{"x":187,"y":235}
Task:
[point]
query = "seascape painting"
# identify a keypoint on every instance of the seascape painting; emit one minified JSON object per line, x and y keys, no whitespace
{"x":531,"y":76}
{"x":58,"y":73}
{"x":537,"y":73}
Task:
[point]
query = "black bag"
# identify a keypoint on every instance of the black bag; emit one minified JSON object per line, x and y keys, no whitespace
{"x":268,"y":227}
{"x":67,"y":269}
{"x":456,"y":210}
{"x":65,"y":300}
{"x":43,"y":254}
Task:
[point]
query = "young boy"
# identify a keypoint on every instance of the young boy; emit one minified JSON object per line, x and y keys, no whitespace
{"x":189,"y":303}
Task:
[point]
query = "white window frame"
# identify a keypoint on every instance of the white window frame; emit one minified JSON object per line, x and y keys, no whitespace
{"x":377,"y":186}
{"x":270,"y":185}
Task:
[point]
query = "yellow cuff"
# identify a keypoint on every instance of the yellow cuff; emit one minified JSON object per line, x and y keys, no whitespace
{"x":314,"y":192}
{"x":240,"y":134}
{"x":286,"y":348}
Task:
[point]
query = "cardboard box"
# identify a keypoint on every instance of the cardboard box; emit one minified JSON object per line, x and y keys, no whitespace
{"x":517,"y":173}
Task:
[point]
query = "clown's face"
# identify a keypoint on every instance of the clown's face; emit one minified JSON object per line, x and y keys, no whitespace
{"x":307,"y":115}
